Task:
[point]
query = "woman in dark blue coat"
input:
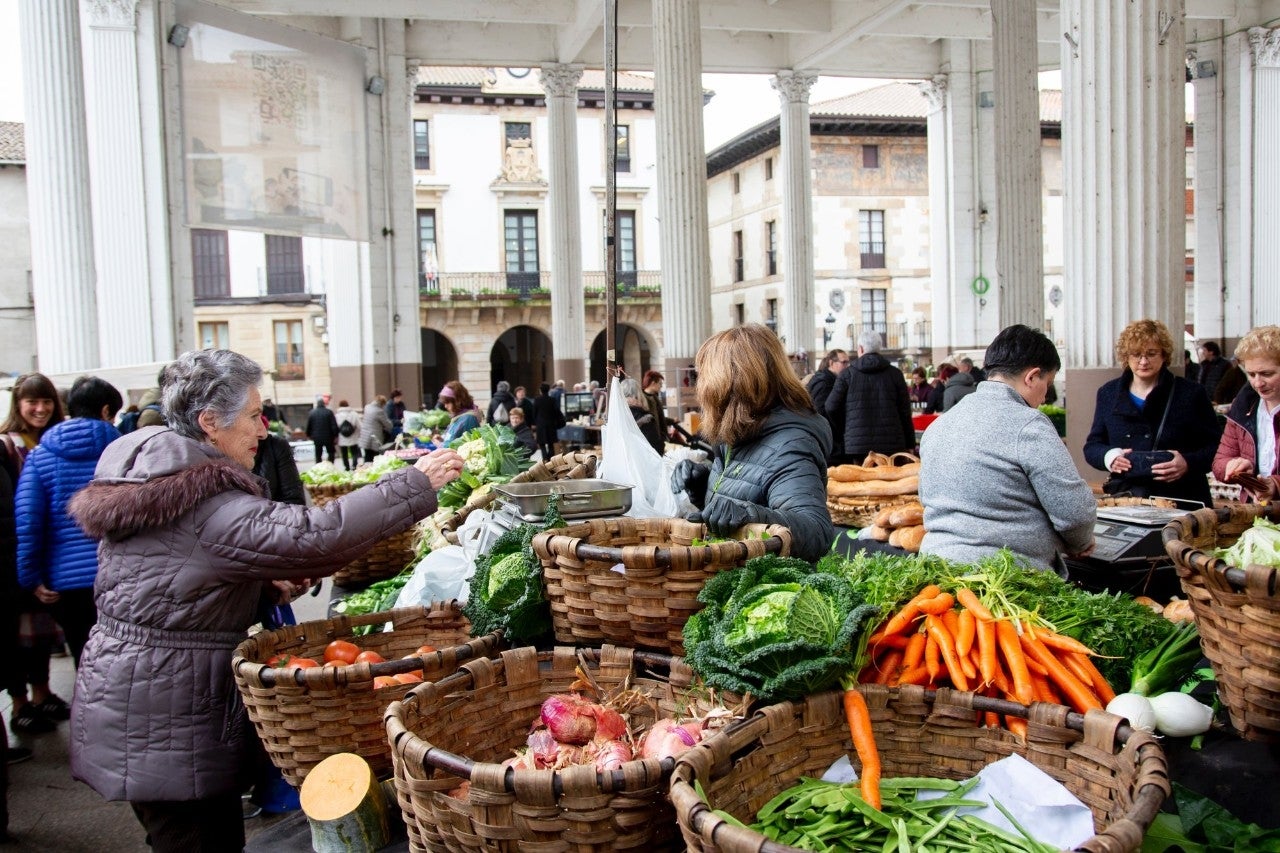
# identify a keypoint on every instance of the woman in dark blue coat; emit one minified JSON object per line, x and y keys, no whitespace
{"x":1148,"y":408}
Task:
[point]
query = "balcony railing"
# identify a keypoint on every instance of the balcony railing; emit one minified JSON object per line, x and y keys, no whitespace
{"x":522,"y":287}
{"x":899,"y":336}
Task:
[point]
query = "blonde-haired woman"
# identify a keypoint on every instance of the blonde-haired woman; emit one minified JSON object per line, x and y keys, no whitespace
{"x":1248,"y":452}
{"x":770,"y":461}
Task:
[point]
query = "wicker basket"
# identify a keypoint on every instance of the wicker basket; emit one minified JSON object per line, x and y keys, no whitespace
{"x":307,"y":715}
{"x":1120,"y":774}
{"x":1237,"y":612}
{"x":565,"y":466}
{"x":646,"y":604}
{"x":467,"y":724}
{"x":861,"y":511}
{"x":384,"y":560}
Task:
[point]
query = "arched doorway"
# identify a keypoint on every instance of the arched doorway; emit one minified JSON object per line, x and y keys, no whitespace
{"x":522,"y":356}
{"x":439,"y":365}
{"x":633,"y":352}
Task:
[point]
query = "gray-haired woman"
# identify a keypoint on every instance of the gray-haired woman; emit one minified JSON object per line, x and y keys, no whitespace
{"x":190,"y":548}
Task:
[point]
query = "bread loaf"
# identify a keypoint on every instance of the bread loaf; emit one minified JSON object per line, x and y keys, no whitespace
{"x":882,"y":518}
{"x":861,"y":474}
{"x":874,"y":488}
{"x":879,"y":534}
{"x":905,"y":516}
{"x":909,"y":538}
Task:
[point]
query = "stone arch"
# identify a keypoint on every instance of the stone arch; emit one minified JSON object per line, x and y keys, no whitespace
{"x":635,"y":352}
{"x":439,"y":364}
{"x":521,"y":355}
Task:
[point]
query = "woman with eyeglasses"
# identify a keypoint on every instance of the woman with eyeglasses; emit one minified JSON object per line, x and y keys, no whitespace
{"x":34,"y":409}
{"x":1147,"y":408}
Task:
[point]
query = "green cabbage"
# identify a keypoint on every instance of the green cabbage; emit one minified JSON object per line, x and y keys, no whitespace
{"x":1259,"y":545}
{"x":775,"y":628}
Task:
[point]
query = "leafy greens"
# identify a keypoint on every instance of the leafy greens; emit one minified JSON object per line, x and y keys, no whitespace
{"x":775,"y":628}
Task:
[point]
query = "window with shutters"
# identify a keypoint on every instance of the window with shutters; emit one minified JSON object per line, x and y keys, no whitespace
{"x":622,"y":142}
{"x":214,"y":335}
{"x":626,"y":256}
{"x":875,"y":309}
{"x":428,"y":263}
{"x":871,"y":156}
{"x":738,"y":265}
{"x":284,"y":265}
{"x":520,"y":239}
{"x":771,"y":240}
{"x":210,"y":264}
{"x":421,"y":144}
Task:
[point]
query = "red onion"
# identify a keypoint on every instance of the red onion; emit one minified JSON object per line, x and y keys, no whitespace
{"x":610,"y":754}
{"x":570,"y":719}
{"x":667,"y":739}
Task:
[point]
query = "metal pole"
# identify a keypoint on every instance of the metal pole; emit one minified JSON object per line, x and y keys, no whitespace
{"x":611,"y":187}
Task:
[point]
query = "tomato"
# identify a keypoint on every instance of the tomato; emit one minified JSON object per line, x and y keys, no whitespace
{"x":279,"y":661}
{"x":426,"y":650}
{"x":384,"y":681}
{"x":341,"y":651}
{"x":302,"y":663}
{"x":408,"y":678}
{"x":369,"y":657}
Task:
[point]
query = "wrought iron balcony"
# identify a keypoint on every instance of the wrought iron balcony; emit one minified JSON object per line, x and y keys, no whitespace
{"x":524,"y":287}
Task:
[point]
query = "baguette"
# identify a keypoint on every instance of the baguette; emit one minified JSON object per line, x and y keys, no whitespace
{"x":883,"y":516}
{"x":874,"y":488}
{"x":906,"y":516}
{"x":879,"y":534}
{"x":860,"y":474}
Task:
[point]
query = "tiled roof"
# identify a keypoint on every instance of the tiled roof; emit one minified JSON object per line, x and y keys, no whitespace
{"x":457,"y":75}
{"x":12,"y":149}
{"x":905,"y":101}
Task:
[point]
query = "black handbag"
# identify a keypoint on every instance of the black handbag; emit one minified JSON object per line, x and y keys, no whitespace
{"x":1140,"y":462}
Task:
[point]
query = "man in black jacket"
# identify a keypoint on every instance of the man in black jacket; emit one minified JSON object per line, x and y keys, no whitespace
{"x":322,"y":429}
{"x":1212,"y":366}
{"x":820,"y":385}
{"x":869,"y":406}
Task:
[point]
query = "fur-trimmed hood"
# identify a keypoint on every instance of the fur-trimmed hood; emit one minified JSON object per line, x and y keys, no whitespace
{"x":151,"y":477}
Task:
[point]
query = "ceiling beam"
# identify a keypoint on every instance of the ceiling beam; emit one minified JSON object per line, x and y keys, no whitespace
{"x":571,"y":39}
{"x":933,"y":22}
{"x":856,"y":22}
{"x":557,"y":12}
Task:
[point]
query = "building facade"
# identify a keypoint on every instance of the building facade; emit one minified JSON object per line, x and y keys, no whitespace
{"x":17,"y":308}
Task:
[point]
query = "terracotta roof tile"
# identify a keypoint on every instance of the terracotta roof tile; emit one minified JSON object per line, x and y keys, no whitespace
{"x":904,"y":100}
{"x":449,"y":75}
{"x":12,"y":148}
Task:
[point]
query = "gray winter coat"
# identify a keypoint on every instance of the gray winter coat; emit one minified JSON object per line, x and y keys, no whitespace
{"x":782,"y":472}
{"x":994,"y":474}
{"x":957,"y":388}
{"x":375,"y":427}
{"x":188,"y":547}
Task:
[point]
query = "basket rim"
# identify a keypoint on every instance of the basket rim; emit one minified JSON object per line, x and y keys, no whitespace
{"x":778,"y":534}
{"x":463,"y":678}
{"x":1175,"y":545}
{"x":1147,"y":799}
{"x":331,"y":676}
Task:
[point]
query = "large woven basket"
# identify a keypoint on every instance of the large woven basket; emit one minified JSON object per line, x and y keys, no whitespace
{"x":1120,"y":774}
{"x":466,"y":725}
{"x":646,"y":602}
{"x":384,"y":560}
{"x":565,"y":466}
{"x":1237,"y":612}
{"x":304,"y":716}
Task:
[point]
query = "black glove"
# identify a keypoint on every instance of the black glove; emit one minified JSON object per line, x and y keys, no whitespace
{"x":724,"y":516}
{"x":689,"y":476}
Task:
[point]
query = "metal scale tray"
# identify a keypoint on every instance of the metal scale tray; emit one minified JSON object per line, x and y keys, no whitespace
{"x":578,"y":498}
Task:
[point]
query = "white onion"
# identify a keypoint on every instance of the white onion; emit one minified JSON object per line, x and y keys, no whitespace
{"x":1179,"y":715}
{"x":1136,"y":708}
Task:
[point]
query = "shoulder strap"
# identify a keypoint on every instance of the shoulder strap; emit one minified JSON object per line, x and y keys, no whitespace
{"x":1155,"y":445}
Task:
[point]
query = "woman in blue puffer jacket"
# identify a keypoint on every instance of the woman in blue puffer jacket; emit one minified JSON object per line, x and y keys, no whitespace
{"x":56,"y":560}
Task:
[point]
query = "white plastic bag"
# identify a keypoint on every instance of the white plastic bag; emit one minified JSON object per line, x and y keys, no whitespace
{"x":443,"y":575}
{"x":673,"y":457}
{"x":629,"y":459}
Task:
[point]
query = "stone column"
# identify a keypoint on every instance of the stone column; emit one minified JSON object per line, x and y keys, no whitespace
{"x":568,"y":327}
{"x":798,"y":324}
{"x":119,"y":196}
{"x":682,"y":182}
{"x":1124,"y":165}
{"x":1020,"y":233}
{"x":941,"y":213}
{"x":1264,"y":47}
{"x":58,"y":187}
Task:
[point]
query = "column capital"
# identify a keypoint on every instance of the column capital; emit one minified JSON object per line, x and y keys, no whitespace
{"x":560,"y":80}
{"x":935,"y":91}
{"x":111,"y":13}
{"x":793,"y":86}
{"x":411,"y":67}
{"x":1264,"y":44}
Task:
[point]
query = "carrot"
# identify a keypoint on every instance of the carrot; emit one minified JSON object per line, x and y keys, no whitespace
{"x":970,"y":602}
{"x":1036,"y":668}
{"x":1072,"y":662}
{"x":988,"y":664}
{"x":1060,"y":642}
{"x":858,"y":716}
{"x":888,"y":641}
{"x":946,"y":645}
{"x":914,"y":653}
{"x":1017,"y":725}
{"x":1097,"y":680}
{"x":1044,"y":693}
{"x":902,"y":620}
{"x":918,"y":674}
{"x":1015,"y":660}
{"x":888,"y":666}
{"x":1078,"y":696}
{"x":939,"y":604}
{"x":933,"y":659}
{"x":968,"y":627}
{"x":1002,"y":683}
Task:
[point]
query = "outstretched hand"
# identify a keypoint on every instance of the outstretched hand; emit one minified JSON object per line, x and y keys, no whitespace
{"x":691,"y":477}
{"x":441,"y":466}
